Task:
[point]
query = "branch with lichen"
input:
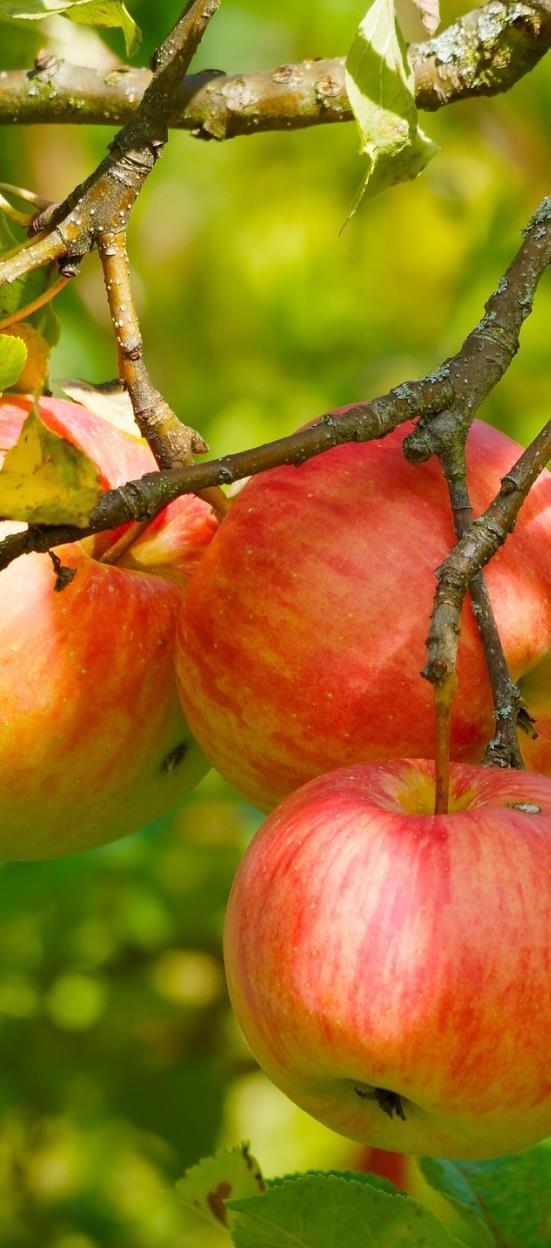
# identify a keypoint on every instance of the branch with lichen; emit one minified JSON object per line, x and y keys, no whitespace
{"x":482,"y":53}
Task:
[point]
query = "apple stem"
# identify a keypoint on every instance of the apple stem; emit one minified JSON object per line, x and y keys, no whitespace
{"x":443,"y":702}
{"x":114,"y":553}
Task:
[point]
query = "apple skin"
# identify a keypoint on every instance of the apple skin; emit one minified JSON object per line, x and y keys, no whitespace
{"x":369,"y":945}
{"x":93,"y":742}
{"x":302,"y":637}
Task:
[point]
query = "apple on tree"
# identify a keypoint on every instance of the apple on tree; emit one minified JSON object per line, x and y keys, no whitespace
{"x":93,"y":742}
{"x":302,"y":636}
{"x":391,"y":968}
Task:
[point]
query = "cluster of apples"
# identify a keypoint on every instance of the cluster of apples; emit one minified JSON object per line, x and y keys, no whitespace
{"x":390,"y":968}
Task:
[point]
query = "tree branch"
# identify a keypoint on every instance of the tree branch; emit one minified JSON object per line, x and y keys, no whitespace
{"x":503,"y":750}
{"x":172,"y":442}
{"x":482,"y":53}
{"x":488,"y":351}
{"x":145,"y":498}
{"x":482,"y":361}
{"x":473,"y":551}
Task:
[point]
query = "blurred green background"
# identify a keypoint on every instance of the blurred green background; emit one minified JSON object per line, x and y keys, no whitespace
{"x":119,"y":1060}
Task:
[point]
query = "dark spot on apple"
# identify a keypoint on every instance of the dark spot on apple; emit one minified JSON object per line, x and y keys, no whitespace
{"x":527,"y":808}
{"x":391,"y":1103}
{"x":170,"y":763}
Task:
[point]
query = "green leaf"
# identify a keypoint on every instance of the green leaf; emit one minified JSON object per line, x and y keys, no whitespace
{"x":25,"y":289}
{"x":107,"y":13}
{"x":47,"y":323}
{"x":46,"y":480}
{"x":86,"y":12}
{"x":7,"y":237}
{"x":209,"y":1184}
{"x":511,"y":1194}
{"x":13,"y":355}
{"x":380,"y":86}
{"x":32,"y":376}
{"x":333,"y":1211}
{"x":359,"y":1176}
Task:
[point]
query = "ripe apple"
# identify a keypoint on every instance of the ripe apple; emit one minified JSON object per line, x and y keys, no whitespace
{"x":391,"y":968}
{"x":301,"y":640}
{"x":93,"y":742}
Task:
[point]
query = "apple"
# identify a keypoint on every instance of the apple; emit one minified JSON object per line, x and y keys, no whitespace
{"x":302,"y":637}
{"x":394,"y":1167}
{"x":93,"y":742}
{"x":391,"y":968}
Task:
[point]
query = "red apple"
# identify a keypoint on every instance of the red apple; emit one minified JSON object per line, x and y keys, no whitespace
{"x":395,"y":1167}
{"x":93,"y":742}
{"x":391,"y":968}
{"x":301,"y":640}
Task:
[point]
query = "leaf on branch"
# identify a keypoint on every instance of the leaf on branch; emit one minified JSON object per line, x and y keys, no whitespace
{"x":13,"y":354}
{"x":330,"y":1210}
{"x":380,"y":86}
{"x":33,"y":375}
{"x":511,"y":1194}
{"x":46,"y":480}
{"x":208,"y":1185}
{"x":85,"y":12}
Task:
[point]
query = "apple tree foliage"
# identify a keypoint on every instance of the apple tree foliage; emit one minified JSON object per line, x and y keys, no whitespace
{"x":120,"y":1063}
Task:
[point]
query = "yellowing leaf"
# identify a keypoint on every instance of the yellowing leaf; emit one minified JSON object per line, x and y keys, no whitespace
{"x":13,"y":354}
{"x":35,"y":369}
{"x":46,"y":480}
{"x":380,"y":86}
{"x":231,"y":1174}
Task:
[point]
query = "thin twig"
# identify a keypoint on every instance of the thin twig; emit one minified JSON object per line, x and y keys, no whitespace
{"x":488,"y":351}
{"x":472,"y":553}
{"x":173,"y":443}
{"x":503,"y":749}
{"x":474,"y":371}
